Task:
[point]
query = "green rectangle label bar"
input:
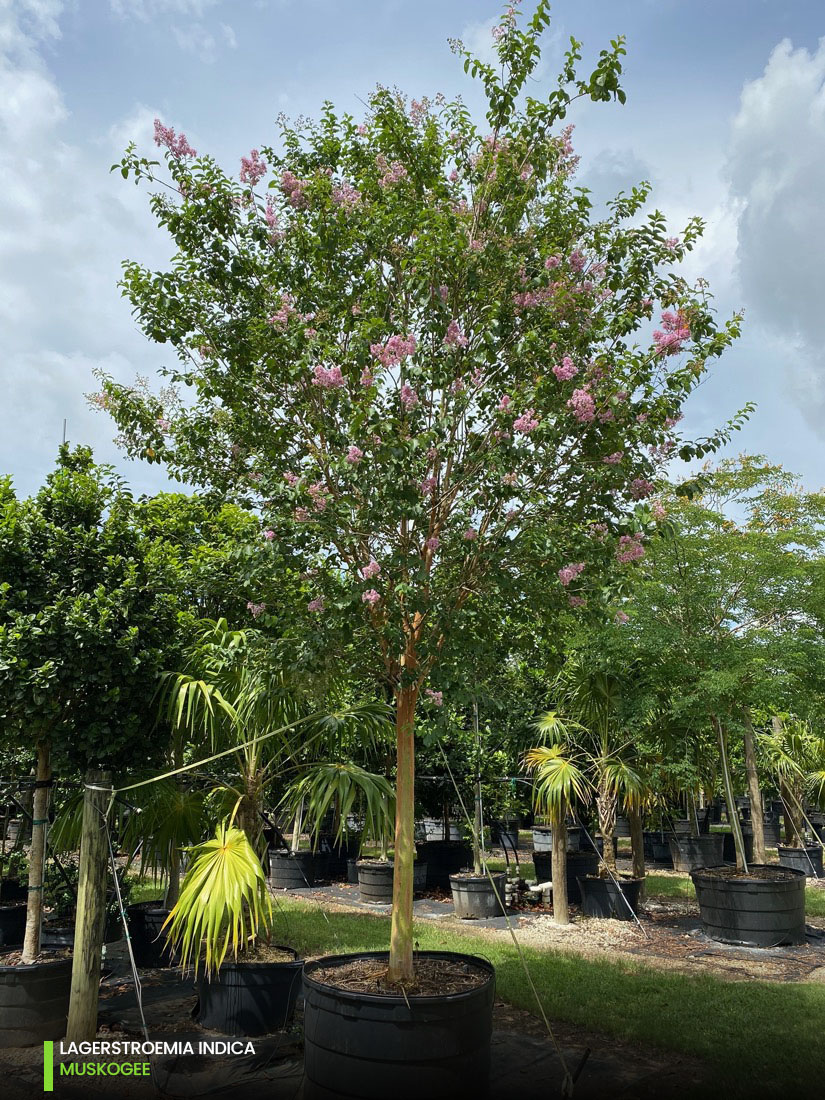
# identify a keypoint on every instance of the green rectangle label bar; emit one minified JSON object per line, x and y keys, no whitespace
{"x":48,"y":1067}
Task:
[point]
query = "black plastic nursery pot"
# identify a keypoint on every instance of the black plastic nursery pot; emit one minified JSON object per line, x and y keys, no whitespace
{"x":375,"y":881}
{"x":336,"y":855}
{"x":689,"y":853}
{"x":578,"y":864}
{"x":444,"y":858}
{"x":477,"y":897}
{"x":622,"y":827}
{"x":772,"y":833}
{"x":808,"y":859}
{"x":729,"y":846}
{"x":12,"y":892}
{"x":362,"y":1046}
{"x":763,"y":908}
{"x":543,"y":838}
{"x":250,"y":998}
{"x":293,"y":870}
{"x":12,"y":925}
{"x":657,"y":848}
{"x":149,"y":946}
{"x":611,"y":898}
{"x":34,"y":1002}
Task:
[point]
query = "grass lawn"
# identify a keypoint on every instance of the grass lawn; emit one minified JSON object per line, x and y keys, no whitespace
{"x":760,"y":1039}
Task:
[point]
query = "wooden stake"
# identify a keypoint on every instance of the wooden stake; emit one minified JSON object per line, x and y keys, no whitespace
{"x":91,"y":909}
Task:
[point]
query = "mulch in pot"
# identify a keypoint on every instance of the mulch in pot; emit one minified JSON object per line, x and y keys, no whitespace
{"x":433,"y":978}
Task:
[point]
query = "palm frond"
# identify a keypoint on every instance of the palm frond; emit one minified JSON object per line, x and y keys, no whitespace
{"x":345,"y":789}
{"x":223,"y":901}
{"x":560,"y":782}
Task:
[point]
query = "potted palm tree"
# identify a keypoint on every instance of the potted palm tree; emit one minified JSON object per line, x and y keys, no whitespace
{"x":224,"y":909}
{"x":796,"y":756}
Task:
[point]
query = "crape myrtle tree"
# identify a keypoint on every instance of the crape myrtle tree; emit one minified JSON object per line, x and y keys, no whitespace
{"x":407,"y":342}
{"x":86,"y":625}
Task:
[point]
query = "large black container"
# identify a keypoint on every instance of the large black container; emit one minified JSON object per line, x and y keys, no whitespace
{"x":808,"y":860}
{"x":657,"y":848}
{"x":146,"y":920}
{"x":293,"y":870}
{"x":336,"y":855}
{"x":622,"y":827}
{"x":773,"y":836}
{"x":359,"y":1046}
{"x":543,"y":838}
{"x":12,"y":892}
{"x":506,"y":834}
{"x":34,"y":1002}
{"x":578,"y":863}
{"x":689,"y":853}
{"x":604,"y":897}
{"x":444,"y":858}
{"x":752,"y":911}
{"x":250,"y":998}
{"x":729,"y":846}
{"x":12,"y":925}
{"x":477,"y":897}
{"x":375,"y":881}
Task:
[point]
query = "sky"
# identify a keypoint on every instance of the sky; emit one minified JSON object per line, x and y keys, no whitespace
{"x":725,"y":115}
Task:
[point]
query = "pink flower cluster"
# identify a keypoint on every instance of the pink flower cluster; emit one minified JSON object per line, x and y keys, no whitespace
{"x":366,"y":377}
{"x":569,"y":572}
{"x":291,"y":478}
{"x":316,"y":605}
{"x":672,"y":335}
{"x":577,"y":601}
{"x":552,"y":262}
{"x":470,"y":535}
{"x":529,"y":298}
{"x":394,"y":350}
{"x":435,"y":697}
{"x":371,"y":569}
{"x":294,"y":189}
{"x":526,"y":423}
{"x":640,"y":488}
{"x":255,"y":609}
{"x":354,"y":455}
{"x":370,"y":596}
{"x":427,"y":486}
{"x":269,"y":535}
{"x":281,"y":316}
{"x":273,"y":221}
{"x":614,"y":459}
{"x":329,"y":378}
{"x":319,"y":500}
{"x":409,"y":398}
{"x":433,"y":543}
{"x":178,"y":146}
{"x":253,"y":168}
{"x":577,"y":260}
{"x":454,"y":336}
{"x":630,"y":548}
{"x":504,"y":403}
{"x":582,"y":405}
{"x":565,"y":370}
{"x":345,"y":195}
{"x":391,"y":173}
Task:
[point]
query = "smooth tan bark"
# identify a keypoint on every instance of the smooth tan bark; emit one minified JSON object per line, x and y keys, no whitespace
{"x":606,"y":810}
{"x":401,"y":934}
{"x":91,"y":910}
{"x":561,"y":911}
{"x":754,"y":793}
{"x":37,"y":854}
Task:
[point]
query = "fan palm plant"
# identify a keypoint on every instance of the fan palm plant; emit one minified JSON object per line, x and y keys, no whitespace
{"x":560,"y":785}
{"x":796,"y":756}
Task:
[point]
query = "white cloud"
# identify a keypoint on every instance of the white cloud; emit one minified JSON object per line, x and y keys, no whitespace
{"x":65,"y":224}
{"x":229,"y":36}
{"x":776,"y":171}
{"x":151,"y":9}
{"x":194,"y":38}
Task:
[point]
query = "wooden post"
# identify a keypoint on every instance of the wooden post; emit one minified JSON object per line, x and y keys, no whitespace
{"x":91,"y":908}
{"x":561,"y":912}
{"x":637,"y":846}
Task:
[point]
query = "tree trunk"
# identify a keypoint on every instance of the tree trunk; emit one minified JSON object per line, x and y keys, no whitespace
{"x":296,"y":828}
{"x":478,"y":828}
{"x":561,"y":913}
{"x":755,"y":794}
{"x":173,"y":885}
{"x":733,"y":816}
{"x":606,"y":809}
{"x":637,"y":847}
{"x":401,"y":934}
{"x":37,"y":853}
{"x":91,"y":910}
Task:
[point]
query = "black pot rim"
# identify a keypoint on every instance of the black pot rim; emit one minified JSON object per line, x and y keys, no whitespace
{"x":468,"y":876}
{"x":373,"y":998}
{"x":707,"y":873}
{"x":791,"y":848}
{"x":613,"y":880}
{"x":245,"y":966}
{"x":28,"y":968}
{"x":14,"y":905}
